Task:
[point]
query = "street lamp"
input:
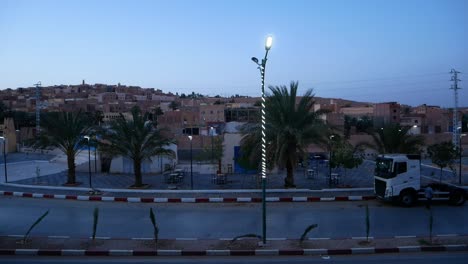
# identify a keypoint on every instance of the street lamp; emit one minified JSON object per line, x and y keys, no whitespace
{"x":89,"y":165}
{"x":329,"y":162}
{"x":261,"y":67}
{"x":212,"y":135}
{"x":4,"y":158}
{"x":191,"y":163}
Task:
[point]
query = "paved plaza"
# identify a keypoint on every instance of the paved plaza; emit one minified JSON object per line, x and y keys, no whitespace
{"x":47,"y":170}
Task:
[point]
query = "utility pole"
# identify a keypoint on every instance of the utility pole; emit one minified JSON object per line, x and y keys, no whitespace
{"x":38,"y":108}
{"x":456,"y":124}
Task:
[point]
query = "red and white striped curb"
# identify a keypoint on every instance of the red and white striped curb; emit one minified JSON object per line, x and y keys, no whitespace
{"x":256,"y":252}
{"x":186,"y":199}
{"x":229,"y":239}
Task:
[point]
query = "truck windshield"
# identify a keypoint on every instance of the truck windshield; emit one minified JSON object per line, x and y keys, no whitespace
{"x":383,"y":168}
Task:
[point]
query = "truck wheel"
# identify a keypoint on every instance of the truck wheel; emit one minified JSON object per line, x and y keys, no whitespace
{"x":457,"y":198}
{"x":407,"y":198}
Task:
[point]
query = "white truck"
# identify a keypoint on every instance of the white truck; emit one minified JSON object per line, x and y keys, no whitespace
{"x":397,"y":177}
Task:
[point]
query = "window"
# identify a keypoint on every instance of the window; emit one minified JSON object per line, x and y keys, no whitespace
{"x":400,"y":167}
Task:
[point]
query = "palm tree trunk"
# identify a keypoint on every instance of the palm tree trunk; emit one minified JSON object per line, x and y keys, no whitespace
{"x":71,"y":179}
{"x":289,"y":180}
{"x":137,"y":171}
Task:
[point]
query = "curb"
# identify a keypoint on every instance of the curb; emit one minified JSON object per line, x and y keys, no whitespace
{"x":228,"y":239}
{"x":186,"y":199}
{"x":256,"y":252}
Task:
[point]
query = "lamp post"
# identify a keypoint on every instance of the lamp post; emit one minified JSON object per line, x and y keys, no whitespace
{"x":191,"y":163}
{"x":95,"y":160}
{"x":261,"y":67}
{"x":4,"y":158}
{"x":212,"y":150}
{"x":329,"y":162}
{"x":89,"y":163}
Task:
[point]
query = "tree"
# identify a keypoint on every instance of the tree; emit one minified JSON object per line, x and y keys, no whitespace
{"x":174,"y":105}
{"x":137,"y":140}
{"x":443,"y":154}
{"x":392,"y":138}
{"x":345,"y":155}
{"x":290,"y":129}
{"x":213,"y":152}
{"x":65,"y":131}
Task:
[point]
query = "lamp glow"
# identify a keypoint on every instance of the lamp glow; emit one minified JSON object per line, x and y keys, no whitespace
{"x":269,"y":42}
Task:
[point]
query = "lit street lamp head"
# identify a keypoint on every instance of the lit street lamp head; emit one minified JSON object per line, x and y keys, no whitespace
{"x":190,"y":137}
{"x":86,"y":137}
{"x":269,"y":42}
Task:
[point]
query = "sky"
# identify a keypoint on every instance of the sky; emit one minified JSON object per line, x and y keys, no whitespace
{"x":372,"y":51}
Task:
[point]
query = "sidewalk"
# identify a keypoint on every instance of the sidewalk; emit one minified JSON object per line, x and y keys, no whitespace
{"x":59,"y":246}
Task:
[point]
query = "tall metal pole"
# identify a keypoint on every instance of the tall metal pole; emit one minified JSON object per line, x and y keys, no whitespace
{"x":89,"y":164}
{"x":262,"y":68}
{"x":212,"y":149}
{"x":191,"y":165}
{"x":95,"y":160}
{"x":4,"y":159}
{"x":456,"y":135}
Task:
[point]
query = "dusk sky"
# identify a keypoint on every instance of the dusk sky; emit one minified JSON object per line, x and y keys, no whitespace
{"x":375,"y":51}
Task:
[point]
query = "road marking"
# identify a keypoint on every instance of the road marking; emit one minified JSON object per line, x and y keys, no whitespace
{"x":447,"y":235}
{"x":244,"y":199}
{"x":58,"y":236}
{"x":187,"y":200}
{"x":142,"y":238}
{"x":327,"y":199}
{"x":277,"y":239}
{"x":405,"y":236}
{"x":186,"y":239}
{"x":319,"y":238}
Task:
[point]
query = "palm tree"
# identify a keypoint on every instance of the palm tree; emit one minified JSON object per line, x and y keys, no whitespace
{"x":290,"y":128}
{"x":136,"y":139}
{"x":65,"y":131}
{"x":393,"y":138}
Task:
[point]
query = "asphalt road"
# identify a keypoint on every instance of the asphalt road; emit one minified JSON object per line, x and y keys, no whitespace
{"x":225,"y":220}
{"x":424,"y":258}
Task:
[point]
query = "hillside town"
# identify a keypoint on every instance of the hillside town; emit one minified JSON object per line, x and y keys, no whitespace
{"x":205,"y":118}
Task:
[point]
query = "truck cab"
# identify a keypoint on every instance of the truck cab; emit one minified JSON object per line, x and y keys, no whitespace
{"x":397,"y":177}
